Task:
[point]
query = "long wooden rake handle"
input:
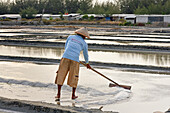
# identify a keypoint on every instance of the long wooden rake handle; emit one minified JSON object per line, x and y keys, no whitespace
{"x":115,"y":83}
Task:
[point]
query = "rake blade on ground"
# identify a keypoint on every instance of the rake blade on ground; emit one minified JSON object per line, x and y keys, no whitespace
{"x":123,"y":86}
{"x":111,"y":85}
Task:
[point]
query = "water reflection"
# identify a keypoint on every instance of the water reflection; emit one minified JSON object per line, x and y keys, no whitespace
{"x":150,"y":44}
{"x":31,"y":51}
{"x":99,"y":56}
{"x":110,"y":42}
{"x":158,"y":59}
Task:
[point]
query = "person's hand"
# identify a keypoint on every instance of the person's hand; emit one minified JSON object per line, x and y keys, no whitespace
{"x":88,"y":66}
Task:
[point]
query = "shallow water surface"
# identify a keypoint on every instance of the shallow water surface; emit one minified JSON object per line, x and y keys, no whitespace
{"x":154,"y":59}
{"x":143,"y":35}
{"x":120,"y":41}
{"x":130,"y":38}
{"x":14,"y":34}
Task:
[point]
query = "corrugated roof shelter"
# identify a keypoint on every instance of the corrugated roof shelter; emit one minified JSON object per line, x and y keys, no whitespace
{"x":152,"y":18}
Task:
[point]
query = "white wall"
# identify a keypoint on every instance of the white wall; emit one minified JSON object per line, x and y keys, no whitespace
{"x":167,"y":19}
{"x":141,"y":19}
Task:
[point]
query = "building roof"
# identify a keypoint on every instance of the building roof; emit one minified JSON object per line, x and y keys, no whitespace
{"x":152,"y":15}
{"x":11,"y":16}
{"x":122,"y":15}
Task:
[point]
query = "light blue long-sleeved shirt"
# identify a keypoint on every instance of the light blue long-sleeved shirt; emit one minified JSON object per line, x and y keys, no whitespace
{"x":73,"y":46}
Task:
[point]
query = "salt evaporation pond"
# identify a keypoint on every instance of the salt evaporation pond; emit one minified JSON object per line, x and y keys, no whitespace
{"x":130,"y":38}
{"x":26,"y":81}
{"x":10,"y":30}
{"x":28,"y":30}
{"x":154,"y":59}
{"x":143,"y":35}
{"x":119,"y":41}
{"x":14,"y":34}
{"x":36,"y":83}
{"x":162,"y":44}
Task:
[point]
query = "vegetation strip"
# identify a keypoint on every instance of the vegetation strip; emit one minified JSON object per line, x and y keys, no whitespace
{"x":130,"y":67}
{"x":84,"y":7}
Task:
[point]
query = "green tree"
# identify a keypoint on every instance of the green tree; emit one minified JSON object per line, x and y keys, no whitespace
{"x":144,"y":3}
{"x":91,"y":17}
{"x":166,"y":8}
{"x":97,"y":9}
{"x":129,"y":6}
{"x":85,"y":6}
{"x":142,"y":10}
{"x":79,"y":11}
{"x":140,"y":6}
{"x":55,"y":6}
{"x":107,"y":8}
{"x":61,"y":16}
{"x":155,"y":9}
{"x":3,"y":8}
{"x":111,"y":8}
{"x":41,"y":6}
{"x":85,"y":17}
{"x":71,"y":5}
{"x":23,"y":4}
{"x":28,"y":13}
{"x":17,"y":6}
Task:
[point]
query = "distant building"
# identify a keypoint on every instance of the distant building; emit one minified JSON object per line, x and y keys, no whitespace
{"x":167,"y":18}
{"x":43,"y":16}
{"x":152,"y":18}
{"x":65,"y":16}
{"x":131,"y":18}
{"x":115,"y":17}
{"x":96,"y":16}
{"x":73,"y":16}
{"x":142,"y":18}
{"x":55,"y":16}
{"x":11,"y":16}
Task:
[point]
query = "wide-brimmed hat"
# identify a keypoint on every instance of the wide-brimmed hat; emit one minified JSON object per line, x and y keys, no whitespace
{"x":83,"y":31}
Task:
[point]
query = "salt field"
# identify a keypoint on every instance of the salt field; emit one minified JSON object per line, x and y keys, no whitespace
{"x":23,"y":79}
{"x":28,"y":82}
{"x":146,"y":36}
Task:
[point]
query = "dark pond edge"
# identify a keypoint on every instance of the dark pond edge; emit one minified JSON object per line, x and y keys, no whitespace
{"x":124,"y":67}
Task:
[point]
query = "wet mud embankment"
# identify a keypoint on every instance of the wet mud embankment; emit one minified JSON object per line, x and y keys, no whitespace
{"x":41,"y":107}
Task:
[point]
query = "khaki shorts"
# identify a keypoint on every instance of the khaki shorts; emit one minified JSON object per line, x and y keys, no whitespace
{"x":67,"y":65}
